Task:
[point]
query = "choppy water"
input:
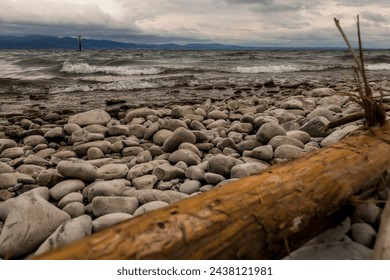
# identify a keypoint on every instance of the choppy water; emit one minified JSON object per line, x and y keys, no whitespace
{"x":69,"y":75}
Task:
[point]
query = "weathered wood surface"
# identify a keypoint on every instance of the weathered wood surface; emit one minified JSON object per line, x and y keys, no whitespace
{"x":382,"y":244}
{"x":253,"y":218}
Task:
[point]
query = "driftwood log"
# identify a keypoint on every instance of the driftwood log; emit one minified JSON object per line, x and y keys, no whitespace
{"x":258,"y":217}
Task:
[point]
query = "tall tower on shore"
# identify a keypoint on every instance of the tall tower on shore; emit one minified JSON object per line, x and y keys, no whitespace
{"x":79,"y":39}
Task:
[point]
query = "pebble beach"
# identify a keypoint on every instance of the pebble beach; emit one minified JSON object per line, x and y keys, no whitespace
{"x":65,"y":174}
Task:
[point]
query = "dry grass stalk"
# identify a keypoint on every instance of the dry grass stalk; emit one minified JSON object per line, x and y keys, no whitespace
{"x":374,"y":111}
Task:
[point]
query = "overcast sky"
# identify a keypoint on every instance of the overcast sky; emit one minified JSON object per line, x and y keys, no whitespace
{"x":239,"y":22}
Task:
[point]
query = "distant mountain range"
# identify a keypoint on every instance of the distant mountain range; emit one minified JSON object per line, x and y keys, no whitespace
{"x":51,"y":42}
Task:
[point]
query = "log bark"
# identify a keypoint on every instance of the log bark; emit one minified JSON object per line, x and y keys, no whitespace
{"x":257,"y":217}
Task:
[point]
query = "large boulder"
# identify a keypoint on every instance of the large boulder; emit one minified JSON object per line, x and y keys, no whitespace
{"x":96,"y":116}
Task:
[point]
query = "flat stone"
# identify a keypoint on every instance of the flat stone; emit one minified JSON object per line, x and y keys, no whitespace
{"x":145,"y":182}
{"x":216,"y":115}
{"x":176,"y":196}
{"x":288,"y":152}
{"x":82,"y":149}
{"x":117,"y":130}
{"x":69,"y":198}
{"x":139,"y":170}
{"x":337,"y":135}
{"x":34,"y":140}
{"x":285,"y":140}
{"x":96,"y":116}
{"x":30,"y":221}
{"x":213,"y":178}
{"x":150,"y":206}
{"x":105,"y":188}
{"x":172,"y":124}
{"x":148,"y":195}
{"x":7,"y":143}
{"x":321,"y":112}
{"x":12,"y":153}
{"x":315,"y":127}
{"x":49,"y":177}
{"x":137,"y":113}
{"x":77,"y":169}
{"x":247,"y":169}
{"x":187,"y":156}
{"x":108,"y":220}
{"x":180,"y":111}
{"x":30,"y":169}
{"x":57,"y":132}
{"x":45,"y":153}
{"x":66,"y":187}
{"x":217,"y":124}
{"x":226,"y":143}
{"x":103,"y":205}
{"x":240,"y":127}
{"x":33,"y":159}
{"x":168,"y":172}
{"x":248,"y":145}
{"x":268,"y":131}
{"x":190,"y":187}
{"x":112,"y":171}
{"x":70,"y":231}
{"x":195,"y":173}
{"x":263,"y":153}
{"x":132,"y":151}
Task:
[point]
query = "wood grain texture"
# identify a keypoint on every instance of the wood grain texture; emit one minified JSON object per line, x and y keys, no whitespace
{"x":253,"y":218}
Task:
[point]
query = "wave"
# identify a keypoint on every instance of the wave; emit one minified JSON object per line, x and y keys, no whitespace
{"x":378,"y":67}
{"x":278,"y":68}
{"x":85,"y":68}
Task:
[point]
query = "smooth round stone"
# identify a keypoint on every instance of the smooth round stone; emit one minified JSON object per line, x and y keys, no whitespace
{"x":65,"y":154}
{"x":294,"y":104}
{"x":190,"y":187}
{"x":132,"y":151}
{"x":70,"y":231}
{"x":79,"y":136}
{"x":112,"y":171}
{"x":103,"y":205}
{"x":180,"y":111}
{"x":151,"y":130}
{"x":34,"y":140}
{"x":247,"y":169}
{"x":45,"y":153}
{"x":216,"y":115}
{"x":302,"y":136}
{"x":319,"y":92}
{"x":288,"y":152}
{"x":8,"y":180}
{"x":30,"y":169}
{"x":5,"y":195}
{"x":367,"y":212}
{"x":337,"y":135}
{"x":179,"y":136}
{"x":217,"y":124}
{"x":226,"y":143}
{"x":248,"y":145}
{"x":321,"y":112}
{"x":168,"y":172}
{"x":69,"y":198}
{"x":242,"y":128}
{"x":74,"y":209}
{"x":69,"y":128}
{"x":268,"y":131}
{"x":149,"y":195}
{"x":190,"y":147}
{"x":172,"y":124}
{"x":139,"y":113}
{"x":137,"y":130}
{"x":66,"y":187}
{"x":12,"y":153}
{"x":78,"y":170}
{"x":187,"y":156}
{"x":105,"y":188}
{"x":5,"y":168}
{"x":161,"y":136}
{"x":285,"y":140}
{"x":221,"y":164}
{"x":144,"y":157}
{"x":96,"y":116}
{"x":197,"y":125}
{"x":94,"y":153}
{"x":108,"y":220}
{"x":331,"y":100}
{"x":117,"y":130}
{"x":145,"y":182}
{"x":213,"y":178}
{"x":7,"y":143}
{"x":25,"y":229}
{"x":82,"y":149}
{"x":150,"y":206}
{"x":263,"y":153}
{"x":363,"y":234}
{"x":57,"y":132}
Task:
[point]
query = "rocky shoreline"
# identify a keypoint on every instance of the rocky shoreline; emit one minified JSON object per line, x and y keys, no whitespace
{"x":67,"y":175}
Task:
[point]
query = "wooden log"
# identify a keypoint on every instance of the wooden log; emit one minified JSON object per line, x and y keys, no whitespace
{"x":257,"y":217}
{"x":382,"y":243}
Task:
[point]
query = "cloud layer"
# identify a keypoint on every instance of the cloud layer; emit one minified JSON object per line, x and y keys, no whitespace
{"x":243,"y":22}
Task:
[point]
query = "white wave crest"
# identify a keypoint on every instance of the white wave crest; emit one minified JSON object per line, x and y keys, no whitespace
{"x":378,"y":67}
{"x":268,"y":69}
{"x":85,"y":68}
